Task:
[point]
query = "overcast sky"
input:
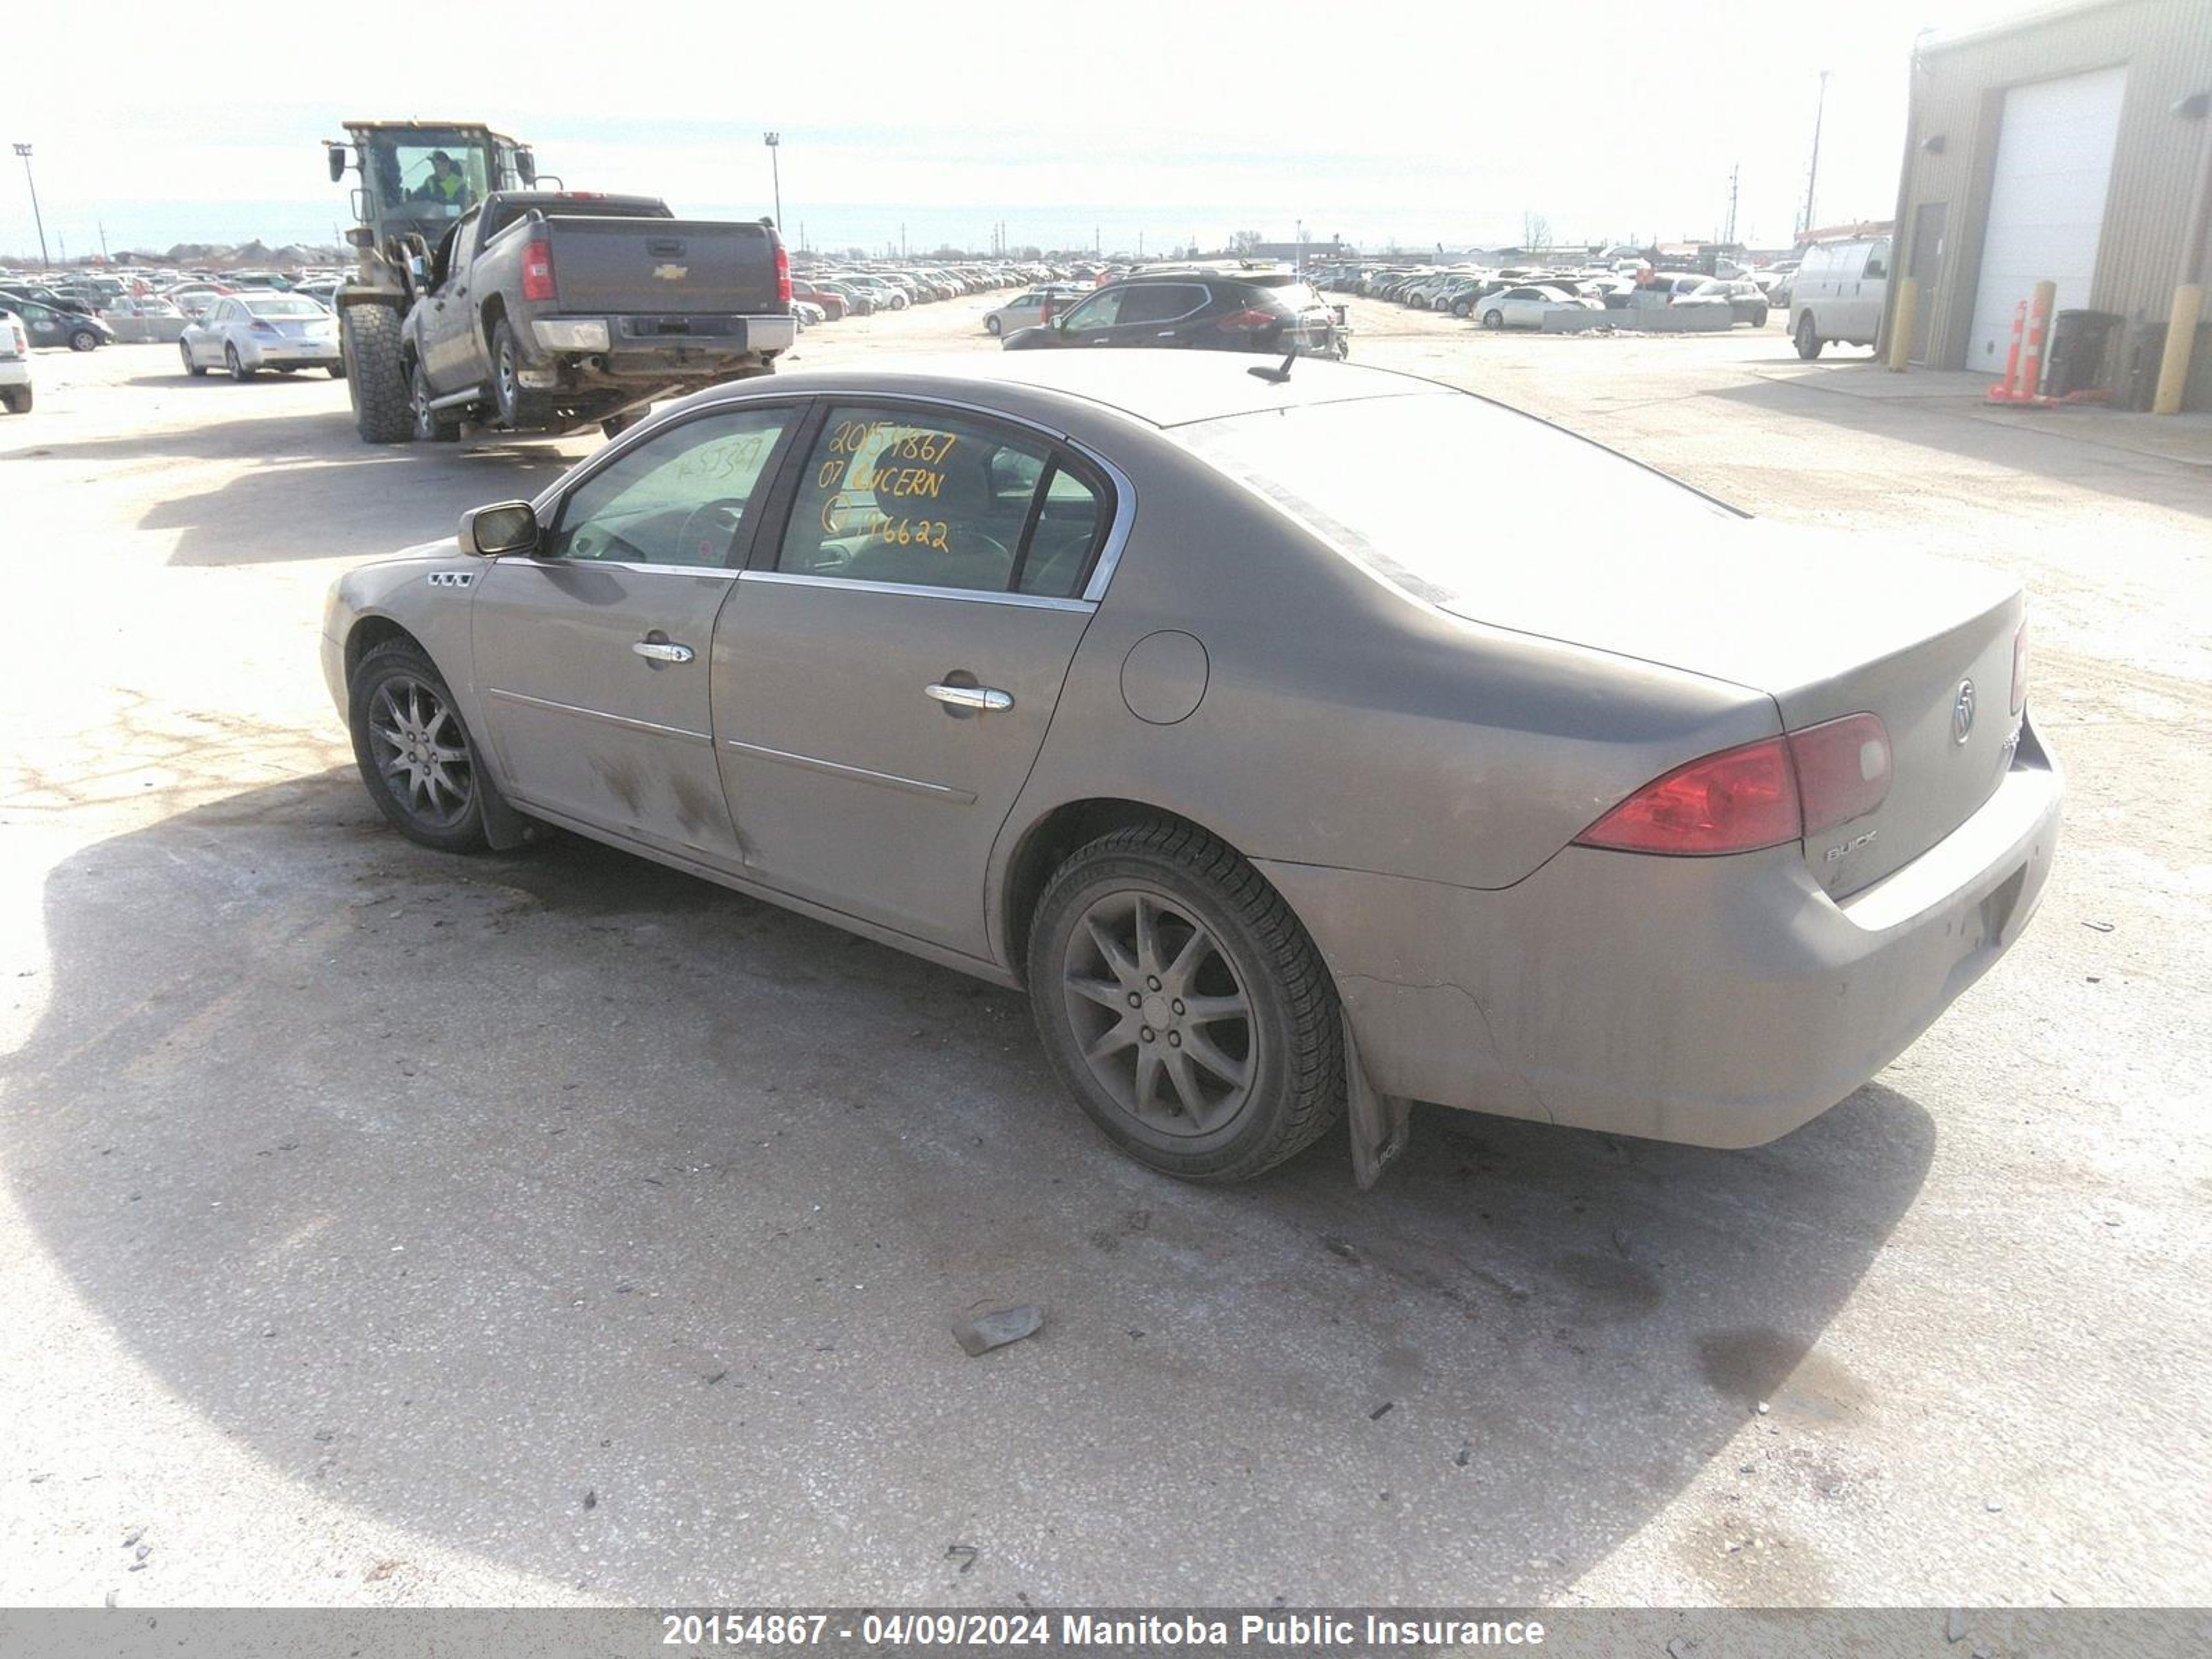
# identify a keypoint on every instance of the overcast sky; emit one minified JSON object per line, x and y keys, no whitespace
{"x":1169,"y":120}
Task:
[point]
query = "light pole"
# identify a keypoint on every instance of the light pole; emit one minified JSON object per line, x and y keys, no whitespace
{"x":1813,"y":172}
{"x":774,"y":142}
{"x":37,"y":218}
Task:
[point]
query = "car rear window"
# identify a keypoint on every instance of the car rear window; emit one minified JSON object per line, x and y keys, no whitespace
{"x":1435,"y":491}
{"x":285,"y":307}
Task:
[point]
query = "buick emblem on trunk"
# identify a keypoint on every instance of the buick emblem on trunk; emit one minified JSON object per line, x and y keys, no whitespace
{"x":1962,"y":712}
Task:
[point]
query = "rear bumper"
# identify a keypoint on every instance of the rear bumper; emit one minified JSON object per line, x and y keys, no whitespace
{"x":1715,"y":1002}
{"x":14,"y":371}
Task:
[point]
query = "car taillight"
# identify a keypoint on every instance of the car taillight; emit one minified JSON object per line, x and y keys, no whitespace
{"x":1843,"y":770}
{"x":783,"y":273}
{"x":1247,"y":320}
{"x":2020,"y":668}
{"x":1736,"y":801}
{"x":262,"y":327}
{"x":538,"y":270}
{"x":1760,"y":794}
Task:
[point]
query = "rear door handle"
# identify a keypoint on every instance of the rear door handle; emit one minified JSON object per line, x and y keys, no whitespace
{"x":662,"y":651}
{"x":970,"y":696}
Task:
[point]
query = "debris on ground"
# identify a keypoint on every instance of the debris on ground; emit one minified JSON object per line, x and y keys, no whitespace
{"x":2098,"y":926}
{"x":1382,"y":1411}
{"x":592,"y":1498}
{"x":1955,"y":1625}
{"x":988,"y":1331}
{"x":965,"y":1554}
{"x":1341,"y":1247}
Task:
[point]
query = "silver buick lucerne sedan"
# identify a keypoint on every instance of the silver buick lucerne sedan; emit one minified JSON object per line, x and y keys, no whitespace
{"x":1295,"y":737}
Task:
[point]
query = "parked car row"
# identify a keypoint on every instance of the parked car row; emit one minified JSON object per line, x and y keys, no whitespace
{"x":859,"y":291}
{"x":1519,"y":296}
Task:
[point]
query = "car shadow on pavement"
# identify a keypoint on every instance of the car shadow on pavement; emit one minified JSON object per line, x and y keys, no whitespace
{"x":583,"y":1215}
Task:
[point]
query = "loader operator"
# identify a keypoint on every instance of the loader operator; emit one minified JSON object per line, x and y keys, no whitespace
{"x":445,"y":185}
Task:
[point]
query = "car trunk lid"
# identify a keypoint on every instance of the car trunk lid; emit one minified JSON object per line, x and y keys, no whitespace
{"x":1827,"y":628}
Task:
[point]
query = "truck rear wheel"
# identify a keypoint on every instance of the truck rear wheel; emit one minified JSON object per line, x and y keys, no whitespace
{"x":375,"y":373}
{"x":520,"y":408}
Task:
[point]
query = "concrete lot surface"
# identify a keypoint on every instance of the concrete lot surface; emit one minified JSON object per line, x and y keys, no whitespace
{"x":383,"y":1227}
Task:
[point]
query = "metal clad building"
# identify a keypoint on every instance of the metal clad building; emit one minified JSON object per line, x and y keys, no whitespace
{"x":2050,"y":147}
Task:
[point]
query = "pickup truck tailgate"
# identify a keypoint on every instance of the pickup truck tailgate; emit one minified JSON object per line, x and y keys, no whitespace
{"x":641,"y":267}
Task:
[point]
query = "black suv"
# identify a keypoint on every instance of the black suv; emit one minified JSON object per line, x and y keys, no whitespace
{"x":1201,"y":309}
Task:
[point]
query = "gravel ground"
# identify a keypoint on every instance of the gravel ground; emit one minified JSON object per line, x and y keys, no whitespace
{"x":378,"y":1227}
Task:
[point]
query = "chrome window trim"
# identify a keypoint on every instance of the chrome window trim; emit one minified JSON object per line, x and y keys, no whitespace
{"x":1205,"y":298}
{"x":682,"y":733}
{"x":860,"y":773}
{"x":538,"y":561}
{"x":978,"y":595}
{"x":584,"y":471}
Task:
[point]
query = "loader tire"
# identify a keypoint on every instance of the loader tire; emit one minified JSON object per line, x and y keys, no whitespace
{"x":376,"y":374}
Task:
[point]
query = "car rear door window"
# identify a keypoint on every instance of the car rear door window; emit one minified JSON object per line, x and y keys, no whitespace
{"x":1160,"y":302}
{"x":924,"y":499}
{"x":678,"y":498}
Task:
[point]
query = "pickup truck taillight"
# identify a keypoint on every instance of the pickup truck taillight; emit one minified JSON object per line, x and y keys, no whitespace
{"x":538,"y":270}
{"x":783,"y":274}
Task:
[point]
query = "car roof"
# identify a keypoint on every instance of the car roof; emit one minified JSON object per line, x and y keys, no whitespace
{"x":1159,"y":388}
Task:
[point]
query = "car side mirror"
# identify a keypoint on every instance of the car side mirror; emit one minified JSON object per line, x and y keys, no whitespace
{"x":419,"y":268}
{"x":526,"y":166}
{"x":502,"y":527}
{"x":338,"y":162}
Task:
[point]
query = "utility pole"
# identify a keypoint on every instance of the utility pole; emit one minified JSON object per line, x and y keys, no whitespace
{"x":1813,"y":172}
{"x":24,"y":150}
{"x":774,"y":142}
{"x":102,"y":224}
{"x":1735,"y":174}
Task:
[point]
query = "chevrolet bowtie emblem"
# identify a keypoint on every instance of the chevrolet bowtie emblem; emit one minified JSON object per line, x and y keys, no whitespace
{"x":672,"y":273}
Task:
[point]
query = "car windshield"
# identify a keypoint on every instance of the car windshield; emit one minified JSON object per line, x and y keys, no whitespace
{"x":1343,"y":469}
{"x":283,"y":308}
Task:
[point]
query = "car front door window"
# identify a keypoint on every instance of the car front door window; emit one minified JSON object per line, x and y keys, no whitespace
{"x":678,"y":498}
{"x":1099,"y":311}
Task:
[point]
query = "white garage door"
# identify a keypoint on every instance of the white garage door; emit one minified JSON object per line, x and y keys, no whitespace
{"x":2047,"y":203}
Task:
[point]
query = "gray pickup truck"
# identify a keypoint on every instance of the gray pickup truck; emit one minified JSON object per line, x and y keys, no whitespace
{"x":546,"y":312}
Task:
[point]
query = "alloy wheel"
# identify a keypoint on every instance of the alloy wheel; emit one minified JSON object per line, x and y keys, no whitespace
{"x":1162,"y":1019}
{"x":420,"y":752}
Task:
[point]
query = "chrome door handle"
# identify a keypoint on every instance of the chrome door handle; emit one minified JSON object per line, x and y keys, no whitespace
{"x":660,"y":651}
{"x":970,"y":696}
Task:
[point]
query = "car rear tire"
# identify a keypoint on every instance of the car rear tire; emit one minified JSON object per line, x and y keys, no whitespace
{"x":83,"y":339}
{"x":520,"y":408}
{"x":415,"y":755}
{"x":17,"y":400}
{"x":1759,"y":317}
{"x":1183,"y":1005}
{"x":196,"y":370}
{"x":1808,"y":337}
{"x":1493,"y":319}
{"x":375,"y":373}
{"x":1462,"y":310}
{"x":236,"y":365}
{"x":432,"y":426}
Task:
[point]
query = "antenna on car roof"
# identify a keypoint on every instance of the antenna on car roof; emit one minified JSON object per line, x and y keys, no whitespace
{"x":1277,"y":374}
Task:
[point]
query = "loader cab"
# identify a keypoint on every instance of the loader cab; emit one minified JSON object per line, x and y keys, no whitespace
{"x":406,"y":187}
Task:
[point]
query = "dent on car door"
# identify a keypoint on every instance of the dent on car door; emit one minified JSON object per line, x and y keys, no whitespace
{"x":886,"y":673}
{"x":592,"y":656}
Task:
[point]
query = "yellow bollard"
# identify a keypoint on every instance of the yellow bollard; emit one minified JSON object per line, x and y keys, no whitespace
{"x":1900,"y":324}
{"x":2181,"y":341}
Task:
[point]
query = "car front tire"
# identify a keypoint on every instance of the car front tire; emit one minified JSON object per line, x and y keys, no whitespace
{"x":415,"y":755}
{"x":992,"y":324}
{"x":1183,"y":1006}
{"x":83,"y":339}
{"x":1493,"y":319}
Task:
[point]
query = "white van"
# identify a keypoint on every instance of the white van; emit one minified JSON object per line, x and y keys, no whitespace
{"x":1838,"y":293}
{"x":16,"y":392}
